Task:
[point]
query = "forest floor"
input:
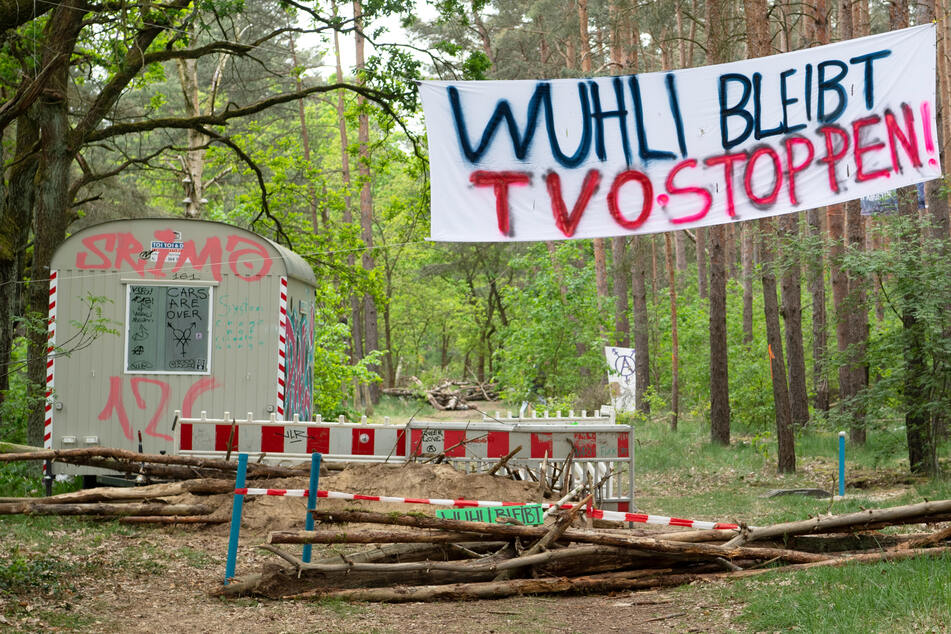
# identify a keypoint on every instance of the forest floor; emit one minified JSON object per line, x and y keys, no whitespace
{"x":66,"y":574}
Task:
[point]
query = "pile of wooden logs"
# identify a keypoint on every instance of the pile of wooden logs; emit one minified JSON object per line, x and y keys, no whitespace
{"x":447,"y":395}
{"x":141,"y":504}
{"x":419,"y":558}
{"x":132,"y":505}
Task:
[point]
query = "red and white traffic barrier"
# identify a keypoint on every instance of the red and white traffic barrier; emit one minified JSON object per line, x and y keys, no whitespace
{"x":618,"y":516}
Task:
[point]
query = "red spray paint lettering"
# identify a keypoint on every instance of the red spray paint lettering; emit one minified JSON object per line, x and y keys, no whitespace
{"x":115,"y":403}
{"x":764,"y":172}
{"x":247,"y":258}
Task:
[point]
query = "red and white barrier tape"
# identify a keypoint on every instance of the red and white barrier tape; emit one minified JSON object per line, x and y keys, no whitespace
{"x":617,"y":516}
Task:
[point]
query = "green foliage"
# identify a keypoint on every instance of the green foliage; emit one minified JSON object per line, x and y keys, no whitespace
{"x":476,"y":66}
{"x":552,"y":345}
{"x":21,"y":574}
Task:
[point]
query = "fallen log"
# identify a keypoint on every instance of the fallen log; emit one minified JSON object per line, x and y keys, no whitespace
{"x":861,"y":519}
{"x":465,"y":567}
{"x":508,"y":531}
{"x":103,"y":494}
{"x":103,"y":509}
{"x":367,"y":536}
{"x":173,"y":519}
{"x":606,"y":582}
{"x":405,"y":552}
{"x":136,"y":459}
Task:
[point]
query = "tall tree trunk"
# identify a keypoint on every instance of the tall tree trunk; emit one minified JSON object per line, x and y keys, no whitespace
{"x":719,"y":373}
{"x":816,"y":267}
{"x":792,"y":315}
{"x":622,"y":325}
{"x":785,"y":438}
{"x":51,"y":203}
{"x":858,"y":327}
{"x":702,"y":277}
{"x":674,"y":345}
{"x":641,"y":326}
{"x":817,"y":287}
{"x":757,"y":33}
{"x":746,"y":257}
{"x":936,"y":190}
{"x":356,"y":314}
{"x":600,"y":256}
{"x":305,"y":144}
{"x":193,"y":160}
{"x":717,"y":52}
{"x":14,"y":236}
{"x":370,"y":327}
{"x":835,"y":215}
{"x":917,"y":392}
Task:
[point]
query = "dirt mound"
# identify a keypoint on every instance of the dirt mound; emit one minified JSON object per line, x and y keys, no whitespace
{"x":267,"y":513}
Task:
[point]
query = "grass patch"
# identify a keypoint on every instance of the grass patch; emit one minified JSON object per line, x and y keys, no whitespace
{"x":195,"y":558}
{"x":903,"y":596}
{"x":339,"y":606}
{"x":21,"y":573}
{"x":145,"y":559}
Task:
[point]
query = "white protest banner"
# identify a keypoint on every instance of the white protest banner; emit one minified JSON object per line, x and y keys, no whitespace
{"x":608,"y":156}
{"x":622,"y":379}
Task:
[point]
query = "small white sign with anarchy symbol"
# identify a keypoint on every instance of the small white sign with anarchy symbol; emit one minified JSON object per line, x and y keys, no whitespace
{"x":621,"y":377}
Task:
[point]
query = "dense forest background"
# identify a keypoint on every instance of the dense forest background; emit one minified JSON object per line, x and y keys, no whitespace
{"x":301,"y":121}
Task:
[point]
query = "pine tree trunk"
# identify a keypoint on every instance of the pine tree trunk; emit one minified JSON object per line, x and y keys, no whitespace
{"x":719,"y":377}
{"x":858,"y":328}
{"x":305,"y":144}
{"x":840,"y":288}
{"x":702,"y":277}
{"x":816,"y":267}
{"x":641,"y":326}
{"x":919,"y":431}
{"x":371,"y":337}
{"x":674,"y":346}
{"x":356,"y":315}
{"x":786,"y":462}
{"x":622,"y":325}
{"x":792,"y":315}
{"x":817,"y":287}
{"x":746,"y":257}
{"x":717,"y":52}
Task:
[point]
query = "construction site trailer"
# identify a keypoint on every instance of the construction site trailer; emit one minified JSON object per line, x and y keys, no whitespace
{"x":206,"y":317}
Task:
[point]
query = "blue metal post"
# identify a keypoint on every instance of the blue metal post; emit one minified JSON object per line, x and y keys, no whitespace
{"x":315,"y":459}
{"x":841,"y":464}
{"x":236,"y":508}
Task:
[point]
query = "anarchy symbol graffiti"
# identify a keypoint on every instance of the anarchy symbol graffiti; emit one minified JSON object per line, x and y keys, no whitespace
{"x":624,"y":365}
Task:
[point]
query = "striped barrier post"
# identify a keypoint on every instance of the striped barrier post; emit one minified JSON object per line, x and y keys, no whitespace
{"x":311,"y":501}
{"x":236,"y":508}
{"x":841,"y":464}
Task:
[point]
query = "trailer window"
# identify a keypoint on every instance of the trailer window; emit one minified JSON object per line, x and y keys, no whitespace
{"x":167,"y":329}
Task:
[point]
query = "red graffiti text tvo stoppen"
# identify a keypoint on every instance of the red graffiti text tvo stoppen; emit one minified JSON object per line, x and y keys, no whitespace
{"x":864,"y":140}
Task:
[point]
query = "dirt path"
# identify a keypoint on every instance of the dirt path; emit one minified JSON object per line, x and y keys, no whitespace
{"x":161,"y":581}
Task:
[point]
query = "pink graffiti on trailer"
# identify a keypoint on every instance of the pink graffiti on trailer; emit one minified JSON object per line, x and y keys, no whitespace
{"x":248,"y":259}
